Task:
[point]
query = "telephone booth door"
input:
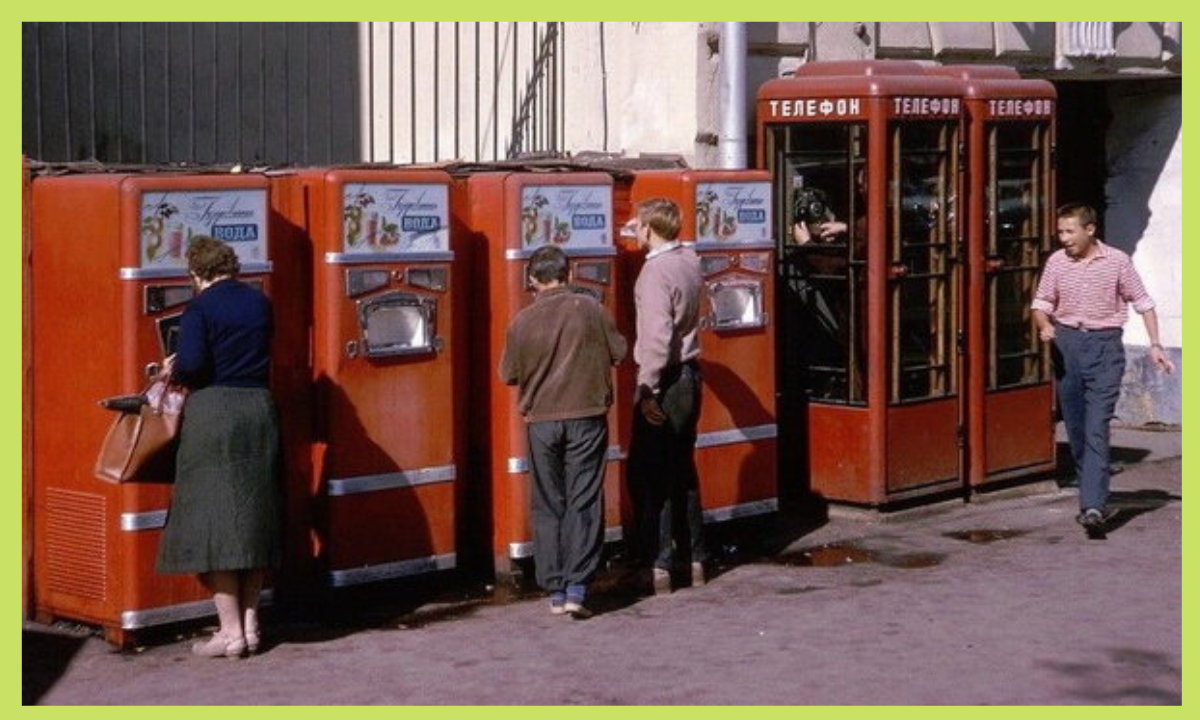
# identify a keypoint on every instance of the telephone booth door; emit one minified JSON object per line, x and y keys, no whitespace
{"x":726,"y":215}
{"x":507,"y":216}
{"x":1010,"y":232}
{"x":866,"y":169}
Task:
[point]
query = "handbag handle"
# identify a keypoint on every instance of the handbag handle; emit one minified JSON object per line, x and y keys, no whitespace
{"x":160,"y":387}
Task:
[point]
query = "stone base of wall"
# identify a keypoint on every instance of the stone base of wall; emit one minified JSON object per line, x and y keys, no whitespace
{"x":1150,"y":397}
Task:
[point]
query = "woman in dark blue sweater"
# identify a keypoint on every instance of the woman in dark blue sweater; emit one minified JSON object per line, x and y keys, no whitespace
{"x":224,"y":522}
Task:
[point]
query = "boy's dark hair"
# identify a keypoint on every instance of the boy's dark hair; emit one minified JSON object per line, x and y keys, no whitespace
{"x":210,"y":258}
{"x":549,"y":263}
{"x":1085,"y":214}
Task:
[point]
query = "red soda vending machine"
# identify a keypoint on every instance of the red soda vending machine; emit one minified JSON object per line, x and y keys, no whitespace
{"x":26,"y":395}
{"x":507,"y":215}
{"x":387,"y":432}
{"x":1010,"y":232}
{"x":727,"y":215}
{"x":865,"y":158}
{"x":110,"y":283}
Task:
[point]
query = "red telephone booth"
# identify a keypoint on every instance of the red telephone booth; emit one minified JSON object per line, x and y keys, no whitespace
{"x":507,"y":215}
{"x":866,"y":167}
{"x":109,"y":286}
{"x":1010,"y":231}
{"x":727,"y":215}
{"x":387,"y":378}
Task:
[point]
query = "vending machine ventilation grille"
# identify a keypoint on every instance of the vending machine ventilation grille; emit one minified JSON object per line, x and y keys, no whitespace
{"x":76,"y":546}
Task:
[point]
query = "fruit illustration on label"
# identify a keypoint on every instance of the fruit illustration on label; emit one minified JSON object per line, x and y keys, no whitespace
{"x":153,"y":227}
{"x":152,"y":237}
{"x":562,"y":232}
{"x":728,"y":225}
{"x":530,"y":217}
{"x":390,"y":235}
{"x":353,"y":215}
{"x":703,"y":213}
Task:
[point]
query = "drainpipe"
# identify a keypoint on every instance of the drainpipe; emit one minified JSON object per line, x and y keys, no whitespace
{"x":366,"y":86}
{"x":732,"y":134}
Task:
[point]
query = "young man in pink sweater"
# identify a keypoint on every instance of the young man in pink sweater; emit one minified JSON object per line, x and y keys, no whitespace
{"x":662,"y":467}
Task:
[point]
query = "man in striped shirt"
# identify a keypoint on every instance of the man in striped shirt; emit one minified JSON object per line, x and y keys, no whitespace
{"x":1080,"y":306}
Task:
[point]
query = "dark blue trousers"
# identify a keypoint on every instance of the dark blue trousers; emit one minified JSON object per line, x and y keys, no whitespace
{"x":567,"y":499}
{"x":1089,"y":366}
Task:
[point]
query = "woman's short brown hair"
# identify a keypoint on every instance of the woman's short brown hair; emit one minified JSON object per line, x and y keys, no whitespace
{"x":662,"y":216}
{"x":210,"y":258}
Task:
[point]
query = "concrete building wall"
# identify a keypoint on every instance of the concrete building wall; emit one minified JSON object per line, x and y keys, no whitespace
{"x":476,"y":91}
{"x":1145,"y":218}
{"x":654,"y":88}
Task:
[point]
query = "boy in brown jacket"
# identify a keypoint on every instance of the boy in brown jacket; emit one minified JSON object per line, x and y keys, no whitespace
{"x":559,"y":352}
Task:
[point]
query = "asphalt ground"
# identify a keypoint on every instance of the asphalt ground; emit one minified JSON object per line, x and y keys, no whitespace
{"x":1000,"y":601}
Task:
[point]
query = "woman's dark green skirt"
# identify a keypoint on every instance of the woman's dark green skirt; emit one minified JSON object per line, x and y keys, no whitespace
{"x":226,"y":509}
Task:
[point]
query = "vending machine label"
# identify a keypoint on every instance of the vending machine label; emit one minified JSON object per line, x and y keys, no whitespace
{"x":733,"y":212}
{"x":395,"y":218}
{"x":170,"y":219}
{"x":570,"y":216}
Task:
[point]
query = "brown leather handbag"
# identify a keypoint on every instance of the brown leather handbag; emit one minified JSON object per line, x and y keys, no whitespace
{"x":141,"y":443}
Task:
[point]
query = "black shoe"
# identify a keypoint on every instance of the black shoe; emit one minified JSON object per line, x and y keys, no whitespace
{"x":1090,"y":518}
{"x":1095,"y":522}
{"x":577,"y":610}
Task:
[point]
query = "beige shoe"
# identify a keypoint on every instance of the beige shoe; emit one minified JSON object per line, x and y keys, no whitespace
{"x":698,"y":575}
{"x":661,"y":581}
{"x":252,"y":642}
{"x":220,"y":646}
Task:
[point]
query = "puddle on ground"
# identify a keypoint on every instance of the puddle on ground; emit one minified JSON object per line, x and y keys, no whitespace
{"x":873,"y":582}
{"x":799,"y":590}
{"x":983,"y":537}
{"x":842,"y":554}
{"x":421,"y":618}
{"x":456,"y":605}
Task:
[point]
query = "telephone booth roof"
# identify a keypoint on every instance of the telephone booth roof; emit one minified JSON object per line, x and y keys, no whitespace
{"x":985,"y":82}
{"x":877,"y":78}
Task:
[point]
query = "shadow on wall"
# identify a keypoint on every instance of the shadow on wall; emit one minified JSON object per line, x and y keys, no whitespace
{"x":1146,"y":121}
{"x":1146,"y":125}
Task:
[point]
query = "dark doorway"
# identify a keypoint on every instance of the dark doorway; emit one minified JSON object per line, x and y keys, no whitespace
{"x":1083,"y":120}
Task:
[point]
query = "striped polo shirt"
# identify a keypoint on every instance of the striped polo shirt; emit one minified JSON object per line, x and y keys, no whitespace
{"x":1091,"y":294}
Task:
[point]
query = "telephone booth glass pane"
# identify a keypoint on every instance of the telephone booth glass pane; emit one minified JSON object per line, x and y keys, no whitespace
{"x":821,"y":170}
{"x":1019,"y":236}
{"x":923,"y":277}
